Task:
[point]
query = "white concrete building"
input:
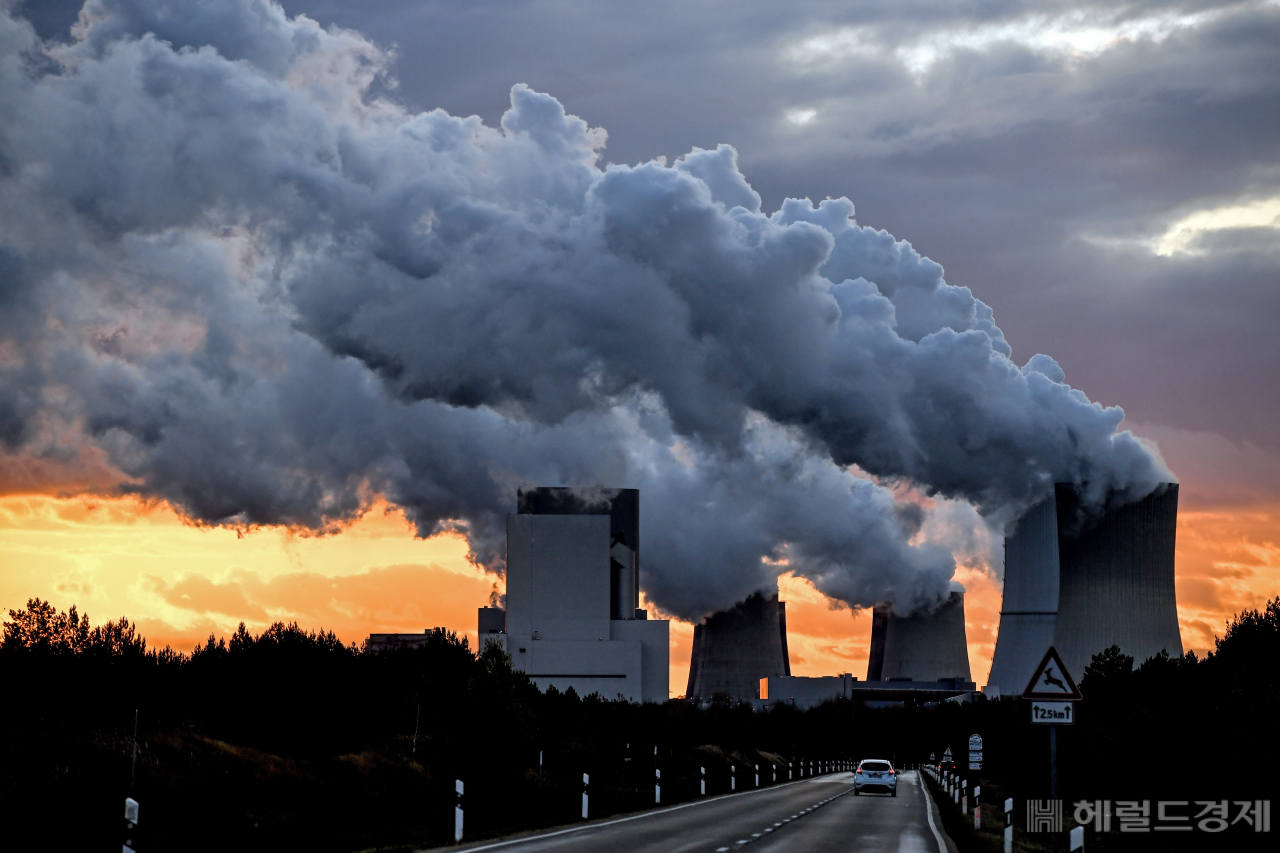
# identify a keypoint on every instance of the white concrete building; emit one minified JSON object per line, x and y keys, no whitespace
{"x":572,"y":590}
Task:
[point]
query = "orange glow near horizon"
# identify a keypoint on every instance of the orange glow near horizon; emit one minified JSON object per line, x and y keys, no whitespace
{"x":180,"y":583}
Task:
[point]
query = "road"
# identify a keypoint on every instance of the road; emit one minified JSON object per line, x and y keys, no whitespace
{"x":819,"y":815}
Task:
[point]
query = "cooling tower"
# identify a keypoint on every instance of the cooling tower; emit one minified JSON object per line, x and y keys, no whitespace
{"x":922,"y":647}
{"x":1116,"y":579}
{"x":735,"y":648}
{"x":1030,"y":607}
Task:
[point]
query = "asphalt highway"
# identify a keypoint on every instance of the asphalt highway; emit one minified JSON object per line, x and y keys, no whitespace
{"x":819,"y":815}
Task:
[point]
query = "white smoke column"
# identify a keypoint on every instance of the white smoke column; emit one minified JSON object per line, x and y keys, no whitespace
{"x":269,"y":295}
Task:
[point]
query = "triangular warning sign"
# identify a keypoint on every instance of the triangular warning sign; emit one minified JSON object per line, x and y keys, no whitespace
{"x":1051,"y":680}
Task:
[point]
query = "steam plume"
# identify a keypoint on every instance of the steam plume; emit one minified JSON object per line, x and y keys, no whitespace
{"x":269,"y":295}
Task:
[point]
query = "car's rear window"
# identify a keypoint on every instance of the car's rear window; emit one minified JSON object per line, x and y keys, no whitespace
{"x":875,"y":766}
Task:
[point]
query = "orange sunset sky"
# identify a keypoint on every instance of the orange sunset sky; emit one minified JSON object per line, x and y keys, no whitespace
{"x":114,"y":556}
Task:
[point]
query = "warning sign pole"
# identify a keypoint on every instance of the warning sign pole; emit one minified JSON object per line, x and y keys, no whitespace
{"x":1052,"y":692}
{"x":1053,"y":762}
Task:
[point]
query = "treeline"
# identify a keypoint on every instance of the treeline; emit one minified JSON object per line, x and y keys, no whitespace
{"x":288,"y":738}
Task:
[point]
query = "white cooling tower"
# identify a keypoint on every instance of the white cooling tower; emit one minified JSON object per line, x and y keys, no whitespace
{"x":1030,"y":606}
{"x":1082,"y":583}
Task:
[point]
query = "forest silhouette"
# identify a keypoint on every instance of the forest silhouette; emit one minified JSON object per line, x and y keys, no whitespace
{"x":290,"y":738}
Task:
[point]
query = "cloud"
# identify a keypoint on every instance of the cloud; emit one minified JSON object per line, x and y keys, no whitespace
{"x":405,"y":598}
{"x":203,"y":596}
{"x":1183,"y":234}
{"x":1077,"y":32}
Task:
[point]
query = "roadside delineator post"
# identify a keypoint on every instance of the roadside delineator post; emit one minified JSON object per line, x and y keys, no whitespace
{"x":733,"y":778}
{"x":789,"y":772}
{"x":130,"y":822}
{"x":130,"y":804}
{"x":964,"y":796}
{"x":586,"y":785}
{"x":457,"y":810}
{"x":1008,"y":825}
{"x":757,"y":775}
{"x":977,"y":807}
{"x":702,"y":781}
{"x":657,"y":785}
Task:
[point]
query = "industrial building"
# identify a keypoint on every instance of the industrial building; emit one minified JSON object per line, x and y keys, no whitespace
{"x":573,"y":586}
{"x":735,"y":648}
{"x":805,"y":692}
{"x":929,"y":646}
{"x":493,"y":620}
{"x":1083,"y":584}
{"x":391,"y":642}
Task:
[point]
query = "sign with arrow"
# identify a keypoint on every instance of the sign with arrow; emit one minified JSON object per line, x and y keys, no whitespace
{"x":1051,"y":681}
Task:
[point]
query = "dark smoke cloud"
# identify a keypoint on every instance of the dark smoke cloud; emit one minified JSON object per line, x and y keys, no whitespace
{"x":269,"y":295}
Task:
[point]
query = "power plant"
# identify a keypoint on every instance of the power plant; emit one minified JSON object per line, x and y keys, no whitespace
{"x":741,"y":653}
{"x":1084,"y":584}
{"x":922,"y":658}
{"x":735,"y":648}
{"x":572,"y":617}
{"x":1073,"y":581}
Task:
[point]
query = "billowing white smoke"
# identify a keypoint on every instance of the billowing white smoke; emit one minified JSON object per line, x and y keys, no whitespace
{"x":270,"y":296}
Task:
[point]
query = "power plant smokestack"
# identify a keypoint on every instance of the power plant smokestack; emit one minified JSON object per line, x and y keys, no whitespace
{"x":735,"y":648}
{"x":922,"y":647}
{"x":1083,"y":584}
{"x":1029,"y":611}
{"x":1116,"y":582}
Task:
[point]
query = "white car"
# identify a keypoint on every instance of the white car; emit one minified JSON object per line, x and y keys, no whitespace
{"x":875,"y":774}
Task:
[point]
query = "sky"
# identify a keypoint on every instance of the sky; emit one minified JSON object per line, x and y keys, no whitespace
{"x":1104,"y":176}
